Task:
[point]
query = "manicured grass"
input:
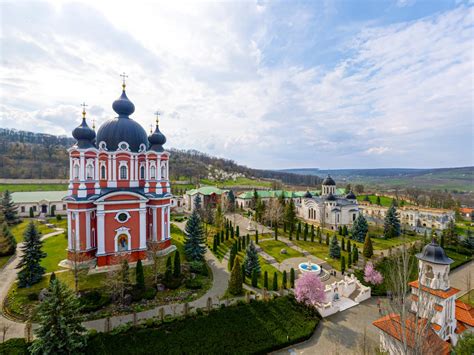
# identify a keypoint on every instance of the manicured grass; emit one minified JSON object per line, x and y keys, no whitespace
{"x":59,"y":224}
{"x":468,"y":298}
{"x":255,"y":328}
{"x":55,"y":249}
{"x":264,"y":266}
{"x":19,"y":229}
{"x":322,"y":251}
{"x":459,"y":259}
{"x":384,"y":200}
{"x":32,"y":187}
{"x":273,"y":247}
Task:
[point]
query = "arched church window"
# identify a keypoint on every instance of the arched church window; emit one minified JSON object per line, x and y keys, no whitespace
{"x":75,"y":172}
{"x":163,"y":171}
{"x":123,"y":172}
{"x":89,"y":171}
{"x":142,"y":172}
{"x":102,"y":172}
{"x":152,"y":172}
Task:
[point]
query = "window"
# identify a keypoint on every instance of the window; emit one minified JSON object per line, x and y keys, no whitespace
{"x":142,"y":172}
{"x":34,"y":208}
{"x":122,"y":217}
{"x":75,"y":174}
{"x":102,"y":172}
{"x":123,"y":172}
{"x":152,"y":172}
{"x":64,"y":207}
{"x":22,"y":209}
{"x":163,"y":171}
{"x":89,"y":171}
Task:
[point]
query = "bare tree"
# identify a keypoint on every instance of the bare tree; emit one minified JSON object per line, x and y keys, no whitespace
{"x":154,"y":249}
{"x":4,"y":328}
{"x":273,"y":212}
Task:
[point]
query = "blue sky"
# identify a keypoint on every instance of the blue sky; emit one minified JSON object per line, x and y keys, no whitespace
{"x":269,"y":84}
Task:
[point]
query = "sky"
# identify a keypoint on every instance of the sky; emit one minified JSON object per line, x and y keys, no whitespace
{"x":268,"y":84}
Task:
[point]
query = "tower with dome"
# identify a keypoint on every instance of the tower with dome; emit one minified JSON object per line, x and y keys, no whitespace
{"x":119,"y":195}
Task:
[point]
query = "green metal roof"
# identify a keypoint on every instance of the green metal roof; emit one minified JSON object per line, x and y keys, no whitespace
{"x":37,"y":196}
{"x":206,"y":190}
{"x":274,"y":193}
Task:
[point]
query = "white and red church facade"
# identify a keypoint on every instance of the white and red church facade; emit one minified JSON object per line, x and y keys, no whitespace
{"x":119,"y":197}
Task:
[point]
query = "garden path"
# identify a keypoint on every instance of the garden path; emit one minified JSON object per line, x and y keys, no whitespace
{"x":7,"y":276}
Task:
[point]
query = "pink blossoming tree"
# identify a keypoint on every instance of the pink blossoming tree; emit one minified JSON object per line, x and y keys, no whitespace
{"x":371,"y":275}
{"x":309,"y":289}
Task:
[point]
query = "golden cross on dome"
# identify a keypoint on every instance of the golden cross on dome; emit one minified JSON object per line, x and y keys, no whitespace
{"x":93,"y":124}
{"x":123,"y":75}
{"x":157,"y":114}
{"x":84,"y":109}
{"x":151,"y":128}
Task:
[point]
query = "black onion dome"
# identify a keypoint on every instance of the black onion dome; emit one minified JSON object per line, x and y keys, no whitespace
{"x":351,"y":196}
{"x":157,"y":140}
{"x":433,"y":253}
{"x":84,"y":135}
{"x":330,"y":197}
{"x":307,"y":195}
{"x":329,"y":181}
{"x":122,"y":128}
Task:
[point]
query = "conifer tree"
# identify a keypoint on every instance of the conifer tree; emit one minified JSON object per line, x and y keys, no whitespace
{"x":248,"y":239}
{"x":312,"y":233}
{"x":60,"y":330}
{"x":254,"y":278}
{"x":251,"y":261}
{"x":284,"y":280}
{"x":339,"y":230}
{"x":344,"y":231}
{"x":233,"y":253}
{"x":220,"y":236}
{"x":265,"y":280}
{"x":368,"y":250}
{"x":360,"y":228}
{"x":139,"y":276}
{"x":327,"y":238}
{"x":343,"y":264}
{"x":334,"y":249}
{"x":256,"y":237}
{"x":227,"y":233}
{"x":298,"y":234}
{"x":125,"y":275}
{"x":320,"y":235}
{"x":214,"y":244}
{"x":7,"y":240}
{"x":305,"y":233}
{"x":31,"y":213}
{"x":378,"y":202}
{"x":343,"y":244}
{"x":235,"y":282}
{"x":242,"y":267}
{"x":177,"y":264}
{"x":355,"y":255}
{"x":9,"y":209}
{"x":31,"y":271}
{"x":232,"y":232}
{"x":292,"y":278}
{"x":391,"y":226}
{"x":169,"y":269}
{"x":239,"y":245}
{"x":349,"y":260}
{"x":231,"y":201}
{"x":194,"y":240}
{"x":223,"y":236}
{"x":237,"y":232}
{"x":349,"y":246}
{"x":275,"y":281}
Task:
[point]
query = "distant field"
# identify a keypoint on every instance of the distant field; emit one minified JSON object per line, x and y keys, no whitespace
{"x":241,"y":181}
{"x":32,"y":187}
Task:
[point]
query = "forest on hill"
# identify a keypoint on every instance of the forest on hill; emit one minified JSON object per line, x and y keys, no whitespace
{"x":28,"y":155}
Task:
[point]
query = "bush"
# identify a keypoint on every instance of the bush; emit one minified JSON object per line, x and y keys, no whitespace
{"x":193,"y":284}
{"x":198,"y":267}
{"x":33,"y":296}
{"x":92,"y":301}
{"x":15,"y":346}
{"x":172,"y":283}
{"x":59,"y":217}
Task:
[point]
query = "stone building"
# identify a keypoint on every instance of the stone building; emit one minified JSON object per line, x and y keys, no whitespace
{"x":41,"y":203}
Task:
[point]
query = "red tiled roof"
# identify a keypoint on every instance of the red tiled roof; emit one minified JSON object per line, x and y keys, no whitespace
{"x":460,"y":327}
{"x":466,"y":210}
{"x":438,"y":307}
{"x":436,"y":327}
{"x":439,"y":293}
{"x":464,"y":313}
{"x":391,"y":324}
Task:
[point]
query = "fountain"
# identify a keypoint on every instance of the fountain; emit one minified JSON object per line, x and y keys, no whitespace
{"x":309,"y":267}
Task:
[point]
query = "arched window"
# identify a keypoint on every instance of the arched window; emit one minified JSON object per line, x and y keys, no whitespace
{"x":142,"y":172}
{"x":75,"y":173}
{"x":103,"y":172}
{"x":163,"y":172}
{"x":123,"y":172}
{"x":89,"y":171}
{"x":152,"y":172}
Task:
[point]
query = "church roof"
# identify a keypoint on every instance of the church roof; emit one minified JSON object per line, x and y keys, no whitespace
{"x":328,"y":181}
{"x":439,"y":293}
{"x":464,"y":313}
{"x":434,"y":253}
{"x":206,"y":190}
{"x":37,"y":196}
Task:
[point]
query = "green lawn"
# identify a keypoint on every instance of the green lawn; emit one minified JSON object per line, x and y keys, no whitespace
{"x":55,"y":249}
{"x":59,"y":224}
{"x":32,"y":187}
{"x":459,"y":259}
{"x":322,"y":251}
{"x":468,"y":298}
{"x":273,"y":247}
{"x":19,"y":229}
{"x":384,"y":200}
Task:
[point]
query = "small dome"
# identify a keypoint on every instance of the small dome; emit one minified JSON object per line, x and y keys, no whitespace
{"x":84,"y":135}
{"x":307,"y":195}
{"x":157,"y":139}
{"x":123,"y":106}
{"x":351,"y":196}
{"x":433,"y":253}
{"x":328,"y":181}
{"x":330,"y":197}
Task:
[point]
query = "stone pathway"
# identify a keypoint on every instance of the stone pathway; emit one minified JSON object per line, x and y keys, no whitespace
{"x":8,"y":275}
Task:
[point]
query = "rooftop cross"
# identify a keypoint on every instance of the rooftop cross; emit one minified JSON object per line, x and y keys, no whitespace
{"x":157,"y":114}
{"x":123,"y":75}
{"x":84,"y":109}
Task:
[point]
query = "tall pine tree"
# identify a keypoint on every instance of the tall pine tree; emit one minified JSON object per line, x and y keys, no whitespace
{"x":368,"y":250}
{"x":194,"y":246}
{"x":31,"y":271}
{"x":360,"y":228}
{"x":139,"y":276}
{"x":235,"y":282}
{"x":251,"y":261}
{"x":334,"y":248}
{"x":391,"y":226}
{"x":9,"y":209}
{"x":60,"y":330}
{"x":177,"y":264}
{"x":7,"y":241}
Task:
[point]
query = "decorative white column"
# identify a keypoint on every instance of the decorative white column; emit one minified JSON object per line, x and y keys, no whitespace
{"x":143,"y":228}
{"x":168,"y":221}
{"x":96,"y":175}
{"x":69,"y":231}
{"x":114,"y":168}
{"x":100,"y":233}
{"x":163,"y":225}
{"x":88,"y":230}
{"x":108,"y":176}
{"x":158,"y":164}
{"x":155,"y":225}
{"x":132,"y":169}
{"x":77,"y":243}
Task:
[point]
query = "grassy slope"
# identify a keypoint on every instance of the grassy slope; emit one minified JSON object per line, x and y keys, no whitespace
{"x":238,"y":182}
{"x":32,"y":187}
{"x":273,"y":247}
{"x":19,"y":229}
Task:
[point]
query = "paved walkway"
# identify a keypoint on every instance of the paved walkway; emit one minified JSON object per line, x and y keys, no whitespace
{"x":8,"y":275}
{"x":243,"y":223}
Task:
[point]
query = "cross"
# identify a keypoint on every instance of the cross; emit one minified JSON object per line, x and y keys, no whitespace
{"x":151,"y":128}
{"x":123,"y":75}
{"x":84,"y":109}
{"x":157,"y":114}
